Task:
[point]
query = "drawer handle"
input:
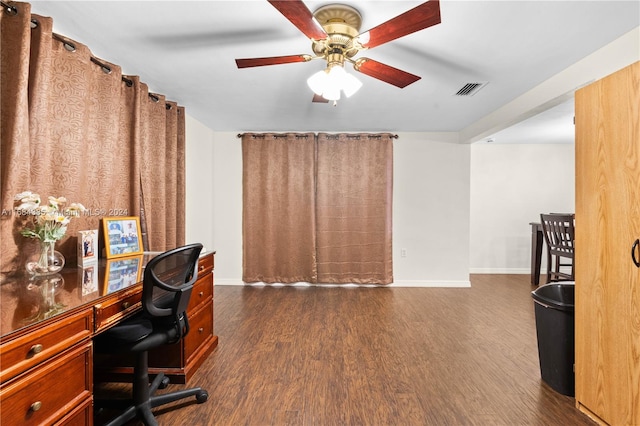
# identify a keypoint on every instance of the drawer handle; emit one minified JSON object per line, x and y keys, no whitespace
{"x":36,"y":349}
{"x":36,"y":406}
{"x":200,"y":330}
{"x":125,"y":305}
{"x":202,"y":267}
{"x":201,"y":294}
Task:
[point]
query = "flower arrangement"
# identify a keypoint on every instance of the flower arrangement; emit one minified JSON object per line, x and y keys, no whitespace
{"x":48,"y":223}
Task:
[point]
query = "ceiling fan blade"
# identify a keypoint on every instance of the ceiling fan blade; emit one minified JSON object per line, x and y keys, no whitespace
{"x":385,"y":73}
{"x":300,"y":16}
{"x":420,"y":17}
{"x":273,"y":60}
{"x":320,"y":99}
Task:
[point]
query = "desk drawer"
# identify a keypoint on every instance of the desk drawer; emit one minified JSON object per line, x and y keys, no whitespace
{"x":82,"y":415}
{"x":24,"y":352}
{"x":50,"y":391}
{"x":201,"y":328}
{"x":205,"y":264}
{"x":118,"y":307}
{"x":202,"y":291}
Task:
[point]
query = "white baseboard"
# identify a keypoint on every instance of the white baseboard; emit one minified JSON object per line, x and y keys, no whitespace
{"x":516,"y":271}
{"x":218,"y":281}
{"x":404,"y":283}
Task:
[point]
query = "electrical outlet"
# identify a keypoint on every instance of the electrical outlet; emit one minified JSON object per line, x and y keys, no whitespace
{"x":403,"y":252}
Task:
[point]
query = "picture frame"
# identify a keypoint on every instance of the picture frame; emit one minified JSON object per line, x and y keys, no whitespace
{"x":122,"y":272}
{"x":87,"y":247}
{"x":122,"y":236}
{"x":89,"y":279}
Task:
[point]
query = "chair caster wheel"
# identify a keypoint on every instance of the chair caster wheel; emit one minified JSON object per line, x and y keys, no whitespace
{"x":164,"y":383}
{"x":202,"y":396}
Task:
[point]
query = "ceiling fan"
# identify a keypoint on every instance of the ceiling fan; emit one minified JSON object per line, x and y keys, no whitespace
{"x":335,"y":36}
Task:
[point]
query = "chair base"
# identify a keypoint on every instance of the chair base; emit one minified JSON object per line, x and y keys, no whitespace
{"x":142,"y":409}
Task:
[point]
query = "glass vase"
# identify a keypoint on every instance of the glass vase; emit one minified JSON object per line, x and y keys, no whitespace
{"x":40,"y":297}
{"x":46,"y":261}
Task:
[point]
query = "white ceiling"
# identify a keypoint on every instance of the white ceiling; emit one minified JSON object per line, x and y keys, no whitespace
{"x":554,"y":125}
{"x":186,"y":50}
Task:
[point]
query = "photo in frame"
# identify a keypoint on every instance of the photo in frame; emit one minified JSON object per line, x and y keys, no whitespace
{"x":122,"y":272}
{"x":89,"y":277}
{"x":122,"y":236}
{"x":87,"y":247}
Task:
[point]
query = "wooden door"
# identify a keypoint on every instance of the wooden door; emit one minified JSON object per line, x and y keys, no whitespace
{"x":607,"y":304}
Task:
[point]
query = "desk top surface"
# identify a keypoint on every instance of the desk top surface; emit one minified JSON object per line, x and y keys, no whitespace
{"x":25,"y":301}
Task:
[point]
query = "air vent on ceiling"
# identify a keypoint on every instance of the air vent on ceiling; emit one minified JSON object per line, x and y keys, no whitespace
{"x":471,"y":89}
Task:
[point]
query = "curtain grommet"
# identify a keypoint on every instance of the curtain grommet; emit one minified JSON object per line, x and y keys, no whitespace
{"x":9,"y":10}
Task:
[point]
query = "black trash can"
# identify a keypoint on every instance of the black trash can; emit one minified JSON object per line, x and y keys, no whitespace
{"x":554,"y":310}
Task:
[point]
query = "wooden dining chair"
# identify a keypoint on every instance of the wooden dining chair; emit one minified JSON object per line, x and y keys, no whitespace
{"x":559,"y":234}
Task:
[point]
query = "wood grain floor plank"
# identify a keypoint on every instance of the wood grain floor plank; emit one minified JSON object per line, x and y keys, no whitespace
{"x":376,"y":356}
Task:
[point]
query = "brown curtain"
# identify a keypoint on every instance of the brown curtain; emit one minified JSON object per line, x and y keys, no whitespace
{"x":162,"y":173}
{"x":74,"y":126}
{"x":320,"y":219}
{"x":15,"y":39}
{"x":353,"y":205}
{"x":278,"y":209}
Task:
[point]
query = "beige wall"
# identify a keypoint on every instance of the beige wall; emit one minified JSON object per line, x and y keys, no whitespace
{"x":431,"y":205}
{"x":457,"y":208}
{"x":199,"y":178}
{"x":511,"y":184}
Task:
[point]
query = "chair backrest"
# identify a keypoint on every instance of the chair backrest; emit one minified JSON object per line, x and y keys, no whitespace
{"x":168,"y":281}
{"x":559,"y":233}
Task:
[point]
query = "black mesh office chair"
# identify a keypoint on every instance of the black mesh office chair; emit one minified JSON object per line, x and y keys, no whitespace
{"x":168,"y":281}
{"x":559,"y":234}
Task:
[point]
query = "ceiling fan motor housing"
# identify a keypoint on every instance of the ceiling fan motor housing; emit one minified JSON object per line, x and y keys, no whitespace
{"x":342,"y":24}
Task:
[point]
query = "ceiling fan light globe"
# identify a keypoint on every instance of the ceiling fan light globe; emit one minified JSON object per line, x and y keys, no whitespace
{"x":336,"y":76}
{"x":317,"y":82}
{"x":335,"y":83}
{"x":331,"y":93}
{"x":350,"y":85}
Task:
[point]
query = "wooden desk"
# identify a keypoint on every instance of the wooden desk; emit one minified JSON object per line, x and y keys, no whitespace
{"x":536,"y":251}
{"x":46,"y":330}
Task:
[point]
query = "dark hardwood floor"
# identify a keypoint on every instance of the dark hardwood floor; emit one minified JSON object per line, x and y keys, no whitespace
{"x":375,"y":356}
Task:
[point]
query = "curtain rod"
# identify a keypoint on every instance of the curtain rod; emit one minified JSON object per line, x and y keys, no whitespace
{"x":393,"y":136}
{"x":71,"y":47}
